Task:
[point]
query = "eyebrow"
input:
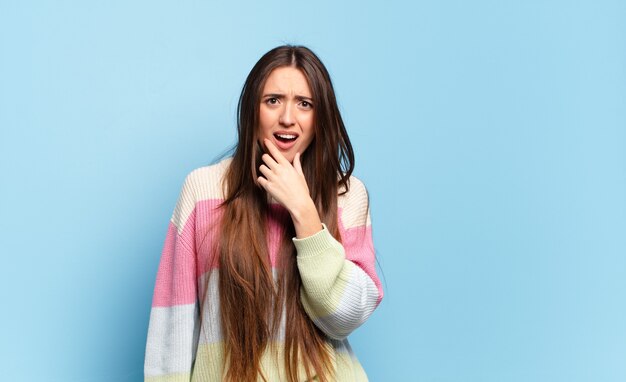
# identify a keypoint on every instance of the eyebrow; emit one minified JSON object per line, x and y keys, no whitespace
{"x":282,"y":96}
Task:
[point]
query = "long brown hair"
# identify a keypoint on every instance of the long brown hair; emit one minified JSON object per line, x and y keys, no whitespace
{"x":251,"y":304}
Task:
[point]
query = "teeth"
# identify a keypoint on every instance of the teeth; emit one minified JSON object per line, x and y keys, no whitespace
{"x":286,"y":136}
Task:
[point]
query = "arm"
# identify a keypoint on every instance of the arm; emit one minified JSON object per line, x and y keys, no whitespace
{"x":340,"y":288}
{"x":174,"y":317}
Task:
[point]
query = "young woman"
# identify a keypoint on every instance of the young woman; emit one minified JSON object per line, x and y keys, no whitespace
{"x":268,"y":263}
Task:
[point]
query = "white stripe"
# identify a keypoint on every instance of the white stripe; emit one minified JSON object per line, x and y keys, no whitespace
{"x":205,"y":183}
{"x":200,"y":184}
{"x":211,"y":321}
{"x":355,"y":205}
{"x":172,"y":339}
{"x":211,"y":329}
{"x":357,"y":303}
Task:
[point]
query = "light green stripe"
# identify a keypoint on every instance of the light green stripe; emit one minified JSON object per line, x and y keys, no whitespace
{"x":321,"y":303}
{"x":178,"y":377}
{"x":209,"y":360}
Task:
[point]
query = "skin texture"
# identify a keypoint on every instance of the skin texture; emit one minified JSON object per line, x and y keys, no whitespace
{"x":286,"y":105}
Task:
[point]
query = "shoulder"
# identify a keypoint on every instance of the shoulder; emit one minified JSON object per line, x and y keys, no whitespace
{"x":354,"y":204}
{"x":206,"y":182}
{"x":200,"y":184}
{"x":356,"y":192}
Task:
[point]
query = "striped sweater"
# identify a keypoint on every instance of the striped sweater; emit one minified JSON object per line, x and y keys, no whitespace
{"x":340,"y":288}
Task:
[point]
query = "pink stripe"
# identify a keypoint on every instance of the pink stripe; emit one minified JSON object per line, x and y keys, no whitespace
{"x":178,"y":272}
{"x":176,"y":277}
{"x":275,"y":223}
{"x":207,"y":234}
{"x":359,"y":247}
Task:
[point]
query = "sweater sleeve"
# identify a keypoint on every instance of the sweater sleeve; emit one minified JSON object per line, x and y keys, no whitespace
{"x":174,"y":317}
{"x":340,"y":288}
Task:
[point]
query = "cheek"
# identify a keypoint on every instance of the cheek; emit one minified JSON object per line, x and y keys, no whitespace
{"x":265,"y":120}
{"x":309,"y":132}
{"x":307,"y":123}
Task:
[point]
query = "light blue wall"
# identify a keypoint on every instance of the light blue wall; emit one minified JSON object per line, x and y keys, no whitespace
{"x":491,"y":136}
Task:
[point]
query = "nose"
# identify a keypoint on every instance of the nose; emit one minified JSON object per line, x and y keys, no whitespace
{"x":286,"y":117}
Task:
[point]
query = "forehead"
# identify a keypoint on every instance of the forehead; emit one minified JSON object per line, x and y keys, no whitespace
{"x":287,"y":80}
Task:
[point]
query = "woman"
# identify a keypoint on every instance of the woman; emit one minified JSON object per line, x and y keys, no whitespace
{"x":268,"y":263}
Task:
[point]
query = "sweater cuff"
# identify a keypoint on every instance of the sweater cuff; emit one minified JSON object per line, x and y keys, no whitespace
{"x":315,"y":243}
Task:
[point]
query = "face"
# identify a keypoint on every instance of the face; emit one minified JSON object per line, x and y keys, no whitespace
{"x":286,"y":115}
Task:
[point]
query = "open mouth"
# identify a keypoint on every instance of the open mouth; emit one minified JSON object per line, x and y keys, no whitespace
{"x":286,"y":138}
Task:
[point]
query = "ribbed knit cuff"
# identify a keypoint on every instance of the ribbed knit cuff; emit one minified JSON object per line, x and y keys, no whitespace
{"x":314,"y":244}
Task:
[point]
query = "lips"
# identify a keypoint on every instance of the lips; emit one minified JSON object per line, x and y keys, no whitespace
{"x":285,"y":136}
{"x":285,"y":140}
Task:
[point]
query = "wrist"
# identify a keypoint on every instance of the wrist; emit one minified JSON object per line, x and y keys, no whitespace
{"x":306,"y":219}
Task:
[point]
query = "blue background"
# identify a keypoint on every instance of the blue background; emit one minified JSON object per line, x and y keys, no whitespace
{"x":491,"y":136}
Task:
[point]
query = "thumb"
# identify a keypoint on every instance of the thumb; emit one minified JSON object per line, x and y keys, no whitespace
{"x":296,"y":163}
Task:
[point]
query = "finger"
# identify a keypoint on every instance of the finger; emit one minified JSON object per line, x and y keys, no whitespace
{"x":297,"y":164}
{"x":269,"y":161}
{"x":262,"y":182}
{"x":278,"y":156}
{"x":265,"y":170}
